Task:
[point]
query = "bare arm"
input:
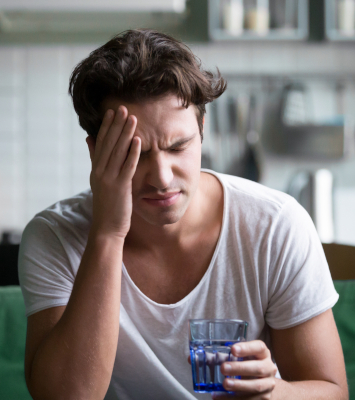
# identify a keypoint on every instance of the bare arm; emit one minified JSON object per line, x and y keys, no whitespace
{"x":310,"y":360}
{"x":70,"y":350}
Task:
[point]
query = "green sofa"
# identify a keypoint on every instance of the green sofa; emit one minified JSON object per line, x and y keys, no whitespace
{"x":344,"y":314}
{"x":13,"y":334}
{"x":12,"y":344}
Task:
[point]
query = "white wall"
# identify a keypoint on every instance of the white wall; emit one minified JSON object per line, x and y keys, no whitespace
{"x":43,"y":154}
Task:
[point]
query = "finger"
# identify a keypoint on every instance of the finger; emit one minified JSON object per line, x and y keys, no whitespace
{"x":189,"y":359}
{"x":120,"y":151}
{"x":258,"y":368}
{"x":254,"y":386}
{"x":256,"y":348}
{"x":111,"y":137}
{"x":130,"y":165}
{"x":105,"y":126}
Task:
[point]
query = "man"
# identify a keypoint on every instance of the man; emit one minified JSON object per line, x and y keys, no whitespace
{"x":111,"y":276}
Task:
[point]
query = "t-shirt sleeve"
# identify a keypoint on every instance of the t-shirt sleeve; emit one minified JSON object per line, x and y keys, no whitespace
{"x":45,"y":275}
{"x":300,"y":285}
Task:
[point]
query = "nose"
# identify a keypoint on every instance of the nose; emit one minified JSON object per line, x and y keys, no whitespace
{"x":160,"y":173}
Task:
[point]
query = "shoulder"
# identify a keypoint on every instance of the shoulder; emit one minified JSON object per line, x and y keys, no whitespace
{"x":244,"y":195}
{"x":258,"y":214}
{"x":56,"y":237}
{"x":62,"y":218}
{"x":51,"y":249}
{"x":76,"y":210}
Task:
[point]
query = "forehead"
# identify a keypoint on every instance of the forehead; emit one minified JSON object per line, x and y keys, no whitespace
{"x":159,"y":118}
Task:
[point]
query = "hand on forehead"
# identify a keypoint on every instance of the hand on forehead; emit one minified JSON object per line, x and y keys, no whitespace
{"x":163,"y":120}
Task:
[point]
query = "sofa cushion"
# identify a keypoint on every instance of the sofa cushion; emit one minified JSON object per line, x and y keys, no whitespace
{"x":12,"y":344}
{"x":344,"y":314}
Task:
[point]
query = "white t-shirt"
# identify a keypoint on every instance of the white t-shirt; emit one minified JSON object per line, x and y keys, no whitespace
{"x":268,"y":268}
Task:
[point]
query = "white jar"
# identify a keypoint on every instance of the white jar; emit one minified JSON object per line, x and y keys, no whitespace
{"x":258,"y":18}
{"x":233,"y":17}
{"x":346,"y":17}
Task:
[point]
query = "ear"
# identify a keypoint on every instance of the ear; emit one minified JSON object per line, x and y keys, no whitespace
{"x":91,"y":142}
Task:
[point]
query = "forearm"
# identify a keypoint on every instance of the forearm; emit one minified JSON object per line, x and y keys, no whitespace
{"x":76,"y":359}
{"x":305,"y":390}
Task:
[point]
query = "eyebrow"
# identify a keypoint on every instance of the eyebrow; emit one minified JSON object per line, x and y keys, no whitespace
{"x":175,"y":145}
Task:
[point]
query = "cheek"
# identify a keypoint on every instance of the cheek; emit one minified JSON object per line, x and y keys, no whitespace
{"x":187,"y":169}
{"x":192,"y":170}
{"x":191,"y":160}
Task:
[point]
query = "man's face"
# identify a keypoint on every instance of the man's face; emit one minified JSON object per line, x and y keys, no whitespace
{"x":168,"y":171}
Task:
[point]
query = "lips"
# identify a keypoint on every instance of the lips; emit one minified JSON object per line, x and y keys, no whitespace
{"x":164,"y":200}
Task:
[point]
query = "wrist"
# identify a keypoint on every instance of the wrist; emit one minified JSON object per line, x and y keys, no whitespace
{"x":279,"y":384}
{"x":103,"y":238}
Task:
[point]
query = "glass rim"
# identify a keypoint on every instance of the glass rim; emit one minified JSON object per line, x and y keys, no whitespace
{"x":201,"y":320}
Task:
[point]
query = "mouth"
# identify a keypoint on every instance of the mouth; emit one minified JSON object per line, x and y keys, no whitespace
{"x":165,"y":200}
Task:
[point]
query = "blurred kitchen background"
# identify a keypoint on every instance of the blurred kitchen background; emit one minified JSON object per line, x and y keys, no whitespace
{"x":287,"y":119}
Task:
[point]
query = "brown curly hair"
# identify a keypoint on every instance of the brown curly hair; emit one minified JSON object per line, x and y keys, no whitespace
{"x":137,"y":65}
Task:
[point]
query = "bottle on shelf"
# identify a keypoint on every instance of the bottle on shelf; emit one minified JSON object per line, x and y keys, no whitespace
{"x":346,"y":17}
{"x":257,"y":18}
{"x":233,"y":17}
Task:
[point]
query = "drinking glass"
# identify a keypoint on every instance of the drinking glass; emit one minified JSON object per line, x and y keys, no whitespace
{"x":211,"y":342}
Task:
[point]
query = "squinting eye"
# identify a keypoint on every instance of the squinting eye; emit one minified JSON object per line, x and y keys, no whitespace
{"x":177,"y":150}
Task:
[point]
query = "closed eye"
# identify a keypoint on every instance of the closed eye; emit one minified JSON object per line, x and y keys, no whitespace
{"x":178,"y":149}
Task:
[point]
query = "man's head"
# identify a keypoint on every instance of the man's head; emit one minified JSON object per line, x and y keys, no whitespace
{"x":159,"y":81}
{"x":136,"y":66}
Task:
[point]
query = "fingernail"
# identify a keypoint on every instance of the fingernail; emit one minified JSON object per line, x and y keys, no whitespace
{"x":238,"y":349}
{"x":227,"y":367}
{"x":230,"y":382}
{"x":109,"y":113}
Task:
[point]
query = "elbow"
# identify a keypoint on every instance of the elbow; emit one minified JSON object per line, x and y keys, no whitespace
{"x":345,"y":393}
{"x":342,"y":391}
{"x":44,"y":390}
{"x":42,"y":394}
{"x":59,"y":390}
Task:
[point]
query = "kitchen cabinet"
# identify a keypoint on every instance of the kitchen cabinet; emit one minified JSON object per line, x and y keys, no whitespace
{"x":258,"y":20}
{"x":91,"y":21}
{"x":39,"y":21}
{"x":94,"y":5}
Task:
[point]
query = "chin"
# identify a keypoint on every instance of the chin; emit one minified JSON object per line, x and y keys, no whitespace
{"x":167,"y":218}
{"x":162,"y":217}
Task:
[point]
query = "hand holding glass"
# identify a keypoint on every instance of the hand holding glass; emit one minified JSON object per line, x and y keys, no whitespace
{"x":211,"y":341}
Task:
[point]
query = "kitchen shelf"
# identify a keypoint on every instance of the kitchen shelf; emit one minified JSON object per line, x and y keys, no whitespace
{"x":340,"y":20}
{"x":266,"y":20}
